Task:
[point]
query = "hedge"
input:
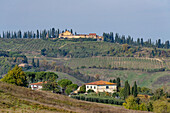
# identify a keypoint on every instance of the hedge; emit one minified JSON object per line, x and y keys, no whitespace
{"x":99,"y":99}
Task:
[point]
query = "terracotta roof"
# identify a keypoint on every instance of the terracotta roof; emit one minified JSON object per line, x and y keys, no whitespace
{"x":93,"y":34}
{"x":38,"y":83}
{"x":101,"y":83}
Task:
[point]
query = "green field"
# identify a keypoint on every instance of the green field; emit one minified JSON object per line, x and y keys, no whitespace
{"x":66,"y":76}
{"x":144,"y":79}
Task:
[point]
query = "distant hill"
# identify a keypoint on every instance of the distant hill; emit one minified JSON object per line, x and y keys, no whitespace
{"x":19,"y":99}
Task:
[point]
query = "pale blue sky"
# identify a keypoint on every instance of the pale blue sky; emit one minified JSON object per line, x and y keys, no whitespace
{"x":138,"y":18}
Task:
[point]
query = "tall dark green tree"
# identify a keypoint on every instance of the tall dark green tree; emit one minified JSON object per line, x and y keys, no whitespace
{"x":159,"y":43}
{"x":38,"y":63}
{"x":38,"y":34}
{"x":71,"y":31}
{"x":118,"y":84}
{"x":53,"y":32}
{"x":127,"y":89}
{"x":33,"y":63}
{"x":142,"y":42}
{"x":135,"y":91}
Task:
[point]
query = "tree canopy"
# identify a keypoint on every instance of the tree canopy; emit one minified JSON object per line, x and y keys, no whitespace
{"x":16,"y":76}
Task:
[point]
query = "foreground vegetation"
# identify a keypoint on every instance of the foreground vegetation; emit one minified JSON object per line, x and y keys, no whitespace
{"x":20,"y":99}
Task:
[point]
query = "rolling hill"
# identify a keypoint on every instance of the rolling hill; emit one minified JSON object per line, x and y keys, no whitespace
{"x":19,"y":99}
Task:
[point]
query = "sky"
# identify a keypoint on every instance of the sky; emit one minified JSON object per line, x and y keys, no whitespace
{"x":137,"y":18}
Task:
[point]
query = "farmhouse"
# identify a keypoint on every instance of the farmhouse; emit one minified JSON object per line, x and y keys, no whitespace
{"x":37,"y":86}
{"x":69,"y":35}
{"x":101,"y":86}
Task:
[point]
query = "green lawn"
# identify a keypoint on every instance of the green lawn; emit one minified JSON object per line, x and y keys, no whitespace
{"x":66,"y":76}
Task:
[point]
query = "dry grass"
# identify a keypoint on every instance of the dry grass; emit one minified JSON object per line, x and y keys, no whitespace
{"x":14,"y":98}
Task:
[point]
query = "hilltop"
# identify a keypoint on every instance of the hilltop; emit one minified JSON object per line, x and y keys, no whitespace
{"x":20,"y":99}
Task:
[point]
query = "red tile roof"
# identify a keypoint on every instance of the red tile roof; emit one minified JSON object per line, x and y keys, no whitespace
{"x":101,"y":83}
{"x":38,"y":83}
{"x":93,"y":34}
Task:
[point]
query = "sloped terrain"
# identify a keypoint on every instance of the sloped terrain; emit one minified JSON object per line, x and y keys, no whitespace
{"x":19,"y":99}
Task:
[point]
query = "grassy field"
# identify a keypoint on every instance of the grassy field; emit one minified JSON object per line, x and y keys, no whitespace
{"x":66,"y":76}
{"x":18,"y":99}
{"x":135,"y":63}
{"x":144,"y":79}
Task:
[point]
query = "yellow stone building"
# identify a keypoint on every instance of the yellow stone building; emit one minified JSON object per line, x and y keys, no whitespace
{"x":69,"y":35}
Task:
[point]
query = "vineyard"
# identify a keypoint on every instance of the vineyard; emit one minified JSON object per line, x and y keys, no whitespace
{"x":28,"y":44}
{"x":124,"y":62}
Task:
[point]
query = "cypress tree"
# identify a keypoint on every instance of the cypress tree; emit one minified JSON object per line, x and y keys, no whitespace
{"x":33,"y":63}
{"x":38,"y":34}
{"x":118,"y":84}
{"x":38,"y":63}
{"x":142,"y":41}
{"x":135,"y":91}
{"x":114,"y":81}
{"x":127,"y":89}
{"x":71,"y":31}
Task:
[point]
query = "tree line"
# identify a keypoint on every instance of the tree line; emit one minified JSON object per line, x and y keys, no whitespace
{"x":39,"y":34}
{"x":122,"y":39}
{"x":108,"y":37}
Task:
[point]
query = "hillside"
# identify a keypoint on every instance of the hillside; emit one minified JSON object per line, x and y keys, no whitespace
{"x":19,"y":99}
{"x":92,"y":57}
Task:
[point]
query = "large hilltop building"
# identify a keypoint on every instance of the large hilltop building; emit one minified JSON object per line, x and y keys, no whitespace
{"x":69,"y":35}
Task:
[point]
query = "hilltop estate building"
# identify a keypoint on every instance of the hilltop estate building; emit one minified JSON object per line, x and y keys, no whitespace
{"x":69,"y":35}
{"x":102,"y":86}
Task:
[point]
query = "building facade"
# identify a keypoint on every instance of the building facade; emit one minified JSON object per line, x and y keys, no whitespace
{"x":69,"y":35}
{"x":37,"y":86}
{"x":102,"y":86}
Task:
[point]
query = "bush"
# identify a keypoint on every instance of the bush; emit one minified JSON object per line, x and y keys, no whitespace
{"x":90,"y":91}
{"x":143,"y":107}
{"x":131,"y":103}
{"x":160,"y":106}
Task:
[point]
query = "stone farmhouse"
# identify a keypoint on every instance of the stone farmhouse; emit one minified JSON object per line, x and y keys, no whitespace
{"x":37,"y":86}
{"x":69,"y":35}
{"x":102,"y":86}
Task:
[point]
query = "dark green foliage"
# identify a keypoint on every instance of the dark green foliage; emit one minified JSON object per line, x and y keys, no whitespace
{"x":33,"y":63}
{"x":51,"y":86}
{"x":64,"y":83}
{"x":158,"y":94}
{"x":40,"y":76}
{"x":135,"y":91}
{"x":126,"y":89}
{"x":99,"y":99}
{"x":118,"y":84}
{"x":82,"y":89}
{"x":90,"y":91}
{"x":71,"y":88}
{"x":38,"y":63}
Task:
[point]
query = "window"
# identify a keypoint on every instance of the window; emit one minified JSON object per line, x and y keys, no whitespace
{"x":87,"y":86}
{"x":94,"y":87}
{"x":91,"y":87}
{"x":107,"y":87}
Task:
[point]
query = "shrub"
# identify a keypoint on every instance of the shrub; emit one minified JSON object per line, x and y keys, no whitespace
{"x":131,"y":103}
{"x":90,"y":91}
{"x":143,"y":107}
{"x":160,"y":106}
